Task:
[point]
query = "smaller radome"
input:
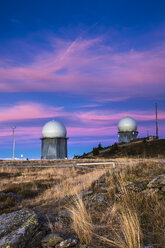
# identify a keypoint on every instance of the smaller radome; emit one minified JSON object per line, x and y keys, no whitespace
{"x":54,"y":129}
{"x":127,"y":124}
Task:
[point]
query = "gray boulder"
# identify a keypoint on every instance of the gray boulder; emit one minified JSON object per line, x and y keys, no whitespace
{"x":18,"y":228}
{"x":148,"y":246}
{"x":51,"y":240}
{"x":65,"y":214}
{"x":157,"y":182}
{"x":99,"y":199}
{"x":71,"y":242}
{"x":85,"y":193}
{"x":131,"y":186}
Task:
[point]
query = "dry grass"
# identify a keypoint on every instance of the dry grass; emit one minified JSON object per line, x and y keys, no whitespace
{"x":129,"y":231}
{"x":129,"y":220}
{"x":132,"y":219}
{"x":46,"y":186}
{"x":128,"y":234}
{"x":82,"y":222}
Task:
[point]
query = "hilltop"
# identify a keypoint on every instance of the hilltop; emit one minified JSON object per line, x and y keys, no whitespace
{"x":138,"y":148}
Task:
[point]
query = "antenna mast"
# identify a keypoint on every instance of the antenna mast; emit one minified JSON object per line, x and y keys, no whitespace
{"x":156,"y":108}
{"x":13,"y":128}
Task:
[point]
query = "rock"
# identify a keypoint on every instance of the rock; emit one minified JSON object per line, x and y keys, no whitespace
{"x":134,"y":187}
{"x":47,"y":220}
{"x":68,"y":198}
{"x":84,"y":193}
{"x":99,"y":198}
{"x":51,"y":240}
{"x":65,"y":214}
{"x":148,"y":246}
{"x":85,"y":246}
{"x":36,"y":242}
{"x":101,"y":180}
{"x":17,"y":228}
{"x":157,"y":182}
{"x":67,"y":243}
{"x":14,"y":196}
{"x":51,"y":218}
{"x":104,"y":189}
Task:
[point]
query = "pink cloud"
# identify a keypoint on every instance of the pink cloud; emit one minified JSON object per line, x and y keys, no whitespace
{"x":90,"y":131}
{"x":113,"y":99}
{"x":94,"y":123}
{"x":28,"y":110}
{"x":112,"y":116}
{"x":88,"y":66}
{"x":90,"y":106}
{"x":23,"y":135}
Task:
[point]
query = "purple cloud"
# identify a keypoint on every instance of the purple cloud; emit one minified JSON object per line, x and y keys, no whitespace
{"x":84,"y":124}
{"x":88,"y":66}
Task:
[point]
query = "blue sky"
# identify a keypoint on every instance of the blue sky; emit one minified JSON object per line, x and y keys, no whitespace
{"x":85,"y":63}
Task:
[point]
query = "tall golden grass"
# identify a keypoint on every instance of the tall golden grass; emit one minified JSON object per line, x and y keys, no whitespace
{"x":129,"y":233}
{"x":82,"y":222}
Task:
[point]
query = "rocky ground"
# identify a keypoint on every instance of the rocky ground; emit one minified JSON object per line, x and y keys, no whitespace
{"x":75,"y":208}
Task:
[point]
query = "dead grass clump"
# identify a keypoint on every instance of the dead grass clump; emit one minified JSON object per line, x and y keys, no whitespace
{"x":128,"y":234}
{"x":139,"y":212}
{"x":82,"y":222}
{"x":143,"y":172}
{"x":130,"y":228}
{"x":150,"y":210}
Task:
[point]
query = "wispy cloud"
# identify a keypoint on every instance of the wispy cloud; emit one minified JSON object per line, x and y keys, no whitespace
{"x":93,"y":123}
{"x":88,"y":66}
{"x":112,"y":116}
{"x":90,"y":106}
{"x":113,"y":99}
{"x":28,"y":110}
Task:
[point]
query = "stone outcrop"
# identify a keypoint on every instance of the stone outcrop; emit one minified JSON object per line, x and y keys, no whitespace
{"x":157,"y":182}
{"x":51,"y":240}
{"x":57,"y":241}
{"x":19,"y":229}
{"x":71,"y":242}
{"x":130,"y":186}
{"x":26,"y":229}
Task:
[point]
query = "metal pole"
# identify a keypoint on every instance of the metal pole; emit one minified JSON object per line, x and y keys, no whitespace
{"x":156,"y":107}
{"x":13,"y":142}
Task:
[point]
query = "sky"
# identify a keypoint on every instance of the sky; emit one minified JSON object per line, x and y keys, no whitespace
{"x":85,"y":63}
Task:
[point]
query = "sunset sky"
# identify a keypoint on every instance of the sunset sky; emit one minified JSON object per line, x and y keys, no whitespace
{"x":86,"y":63}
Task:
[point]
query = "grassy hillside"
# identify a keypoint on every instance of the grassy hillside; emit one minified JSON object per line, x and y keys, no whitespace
{"x":139,"y":148}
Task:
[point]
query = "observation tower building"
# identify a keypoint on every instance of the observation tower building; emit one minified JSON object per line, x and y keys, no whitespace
{"x":127,"y":130}
{"x":54,"y":141}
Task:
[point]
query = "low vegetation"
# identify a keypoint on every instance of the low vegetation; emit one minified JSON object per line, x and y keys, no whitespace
{"x":140,"y":148}
{"x":108,"y":207}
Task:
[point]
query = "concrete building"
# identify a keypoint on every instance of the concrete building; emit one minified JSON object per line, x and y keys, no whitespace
{"x":127,"y":130}
{"x":54,"y":141}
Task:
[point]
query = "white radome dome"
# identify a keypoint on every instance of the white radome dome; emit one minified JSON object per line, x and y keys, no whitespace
{"x":53,"y":129}
{"x":127,"y":124}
